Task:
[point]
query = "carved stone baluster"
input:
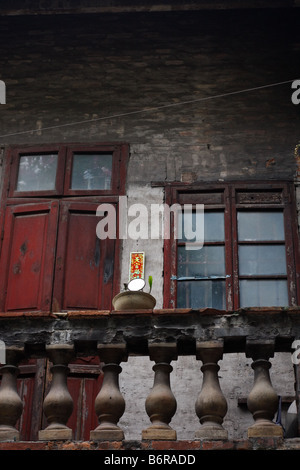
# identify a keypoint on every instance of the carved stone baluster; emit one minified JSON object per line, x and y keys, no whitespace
{"x":11,"y":405}
{"x":262,"y":400}
{"x":109,"y":403}
{"x":58,"y":404}
{"x":161,"y":404}
{"x":211,"y":405}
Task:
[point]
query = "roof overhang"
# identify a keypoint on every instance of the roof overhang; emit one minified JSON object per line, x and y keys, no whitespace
{"x":37,"y":7}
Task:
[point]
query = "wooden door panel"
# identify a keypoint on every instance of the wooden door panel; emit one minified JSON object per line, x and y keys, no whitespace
{"x":84,"y":382}
{"x":84,"y":390}
{"x":28,"y":255}
{"x":34,"y":381}
{"x":84,"y":266}
{"x":31,"y":390}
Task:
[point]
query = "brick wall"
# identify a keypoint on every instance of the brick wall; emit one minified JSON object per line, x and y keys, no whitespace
{"x":159,"y":447}
{"x":64,"y":69}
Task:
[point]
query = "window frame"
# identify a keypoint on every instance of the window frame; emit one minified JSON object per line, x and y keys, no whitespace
{"x":15,"y":156}
{"x":117,"y":181}
{"x":234,"y":196}
{"x":64,"y":169}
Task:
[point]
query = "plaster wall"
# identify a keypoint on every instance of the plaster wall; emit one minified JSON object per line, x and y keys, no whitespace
{"x":236,"y":381}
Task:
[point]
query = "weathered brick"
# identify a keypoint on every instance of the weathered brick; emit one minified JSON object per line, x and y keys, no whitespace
{"x":176,"y":445}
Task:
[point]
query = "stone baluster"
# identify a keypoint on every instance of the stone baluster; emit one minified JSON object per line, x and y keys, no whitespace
{"x":109,"y":403}
{"x":11,"y":405}
{"x":161,"y":404}
{"x":211,"y":405}
{"x":262,"y":400}
{"x":58,"y":404}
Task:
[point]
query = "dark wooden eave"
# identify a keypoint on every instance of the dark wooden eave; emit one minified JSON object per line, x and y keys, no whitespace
{"x":36,"y":7}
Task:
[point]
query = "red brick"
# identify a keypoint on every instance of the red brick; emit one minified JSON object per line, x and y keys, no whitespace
{"x":220,"y":445}
{"x":176,"y":445}
{"x":243,"y":445}
{"x":23,"y":445}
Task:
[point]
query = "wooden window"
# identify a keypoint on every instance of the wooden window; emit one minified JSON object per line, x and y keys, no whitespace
{"x":73,"y":170}
{"x":250,"y":253}
{"x":51,"y":257}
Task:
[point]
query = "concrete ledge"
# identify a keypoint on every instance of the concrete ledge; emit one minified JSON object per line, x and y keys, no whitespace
{"x":86,"y":328}
{"x":167,"y":446}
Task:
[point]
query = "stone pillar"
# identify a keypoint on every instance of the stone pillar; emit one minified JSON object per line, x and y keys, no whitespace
{"x":262,"y":400}
{"x":11,"y":405}
{"x":211,"y":405}
{"x":58,"y":404}
{"x":109,"y":403}
{"x":161,"y":404}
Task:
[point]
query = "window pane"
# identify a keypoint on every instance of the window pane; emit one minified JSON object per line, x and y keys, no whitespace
{"x":37,"y":172}
{"x":213,"y":225}
{"x":262,"y":259}
{"x":208,"y":261}
{"x":265,"y":225}
{"x":91,"y":171}
{"x":263,"y":293}
{"x":201,"y":294}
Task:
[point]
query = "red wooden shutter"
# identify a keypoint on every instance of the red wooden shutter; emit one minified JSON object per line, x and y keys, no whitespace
{"x":28,"y":255}
{"x":85,"y":264}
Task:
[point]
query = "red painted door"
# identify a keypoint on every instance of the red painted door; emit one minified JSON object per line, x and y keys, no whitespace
{"x":84,"y":263}
{"x":84,"y":382}
{"x":52,"y":259}
{"x":31,"y":390}
{"x":27,"y":257}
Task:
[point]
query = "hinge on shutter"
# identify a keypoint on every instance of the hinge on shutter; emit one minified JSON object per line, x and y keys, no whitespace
{"x":2,"y":234}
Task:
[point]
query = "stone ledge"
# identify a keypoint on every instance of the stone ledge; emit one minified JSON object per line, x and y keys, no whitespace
{"x":81,"y":314}
{"x":162,"y":446}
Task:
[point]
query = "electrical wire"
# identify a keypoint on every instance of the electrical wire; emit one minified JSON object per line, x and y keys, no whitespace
{"x":147,"y":110}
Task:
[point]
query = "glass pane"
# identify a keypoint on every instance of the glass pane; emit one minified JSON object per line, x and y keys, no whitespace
{"x":201,"y":294}
{"x":265,"y":225}
{"x":209,"y":261}
{"x":262,"y":259}
{"x":37,"y":172}
{"x":213,"y":225}
{"x":263,"y":293}
{"x":91,"y":171}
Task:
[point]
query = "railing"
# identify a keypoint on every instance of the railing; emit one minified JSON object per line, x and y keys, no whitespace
{"x":162,"y":335}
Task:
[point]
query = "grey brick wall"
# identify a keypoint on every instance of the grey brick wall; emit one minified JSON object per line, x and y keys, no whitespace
{"x":64,"y":69}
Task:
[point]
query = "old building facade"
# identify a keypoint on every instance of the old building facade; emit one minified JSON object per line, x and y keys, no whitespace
{"x":167,"y":103}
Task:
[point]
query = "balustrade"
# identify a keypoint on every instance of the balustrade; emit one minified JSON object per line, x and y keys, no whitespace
{"x":148,"y":340}
{"x":58,"y":404}
{"x":110,"y":404}
{"x":262,"y":400}
{"x":211,"y":405}
{"x":161,"y":403}
{"x":11,"y":405}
